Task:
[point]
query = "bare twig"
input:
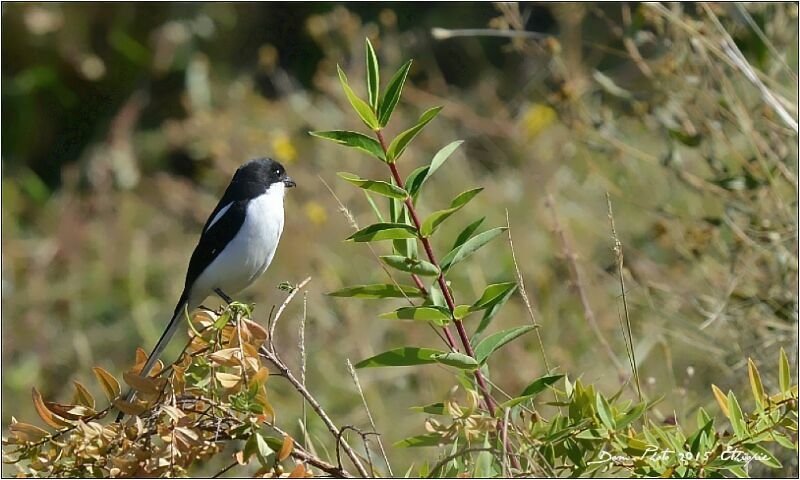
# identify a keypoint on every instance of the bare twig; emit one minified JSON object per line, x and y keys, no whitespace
{"x":369,"y":414}
{"x":619,"y":258}
{"x":289,"y":298}
{"x":302,"y":348}
{"x":273,"y":358}
{"x":577,"y":279}
{"x":524,"y":295}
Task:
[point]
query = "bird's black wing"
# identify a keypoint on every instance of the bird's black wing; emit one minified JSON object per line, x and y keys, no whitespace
{"x":236,"y":191}
{"x":214,"y":239}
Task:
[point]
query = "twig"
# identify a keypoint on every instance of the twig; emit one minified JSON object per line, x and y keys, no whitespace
{"x":577,"y":279}
{"x":619,"y":257}
{"x":525,"y":295}
{"x":459,"y":453}
{"x":289,"y":298}
{"x":272,"y":357}
{"x":505,"y":442}
{"x":369,"y":414}
{"x":302,"y":348}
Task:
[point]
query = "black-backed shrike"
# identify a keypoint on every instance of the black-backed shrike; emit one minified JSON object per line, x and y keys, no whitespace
{"x":236,"y":245}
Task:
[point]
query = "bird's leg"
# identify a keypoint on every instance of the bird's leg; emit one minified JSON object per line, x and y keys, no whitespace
{"x":223,"y":296}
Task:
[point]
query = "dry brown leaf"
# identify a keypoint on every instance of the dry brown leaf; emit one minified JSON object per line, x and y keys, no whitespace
{"x":27,"y":432}
{"x":141,"y":384}
{"x":108,"y":382}
{"x":49,"y":417}
{"x":130,"y":408}
{"x":286,"y":448}
{"x":299,"y":471}
{"x":228,"y":380}
{"x":82,"y":395}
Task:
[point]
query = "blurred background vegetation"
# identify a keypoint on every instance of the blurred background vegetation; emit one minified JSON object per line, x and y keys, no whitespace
{"x":122,"y":124}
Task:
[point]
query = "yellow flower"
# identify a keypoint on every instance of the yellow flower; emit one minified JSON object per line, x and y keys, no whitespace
{"x":283,"y":148}
{"x":537,"y":118}
{"x":315,"y":213}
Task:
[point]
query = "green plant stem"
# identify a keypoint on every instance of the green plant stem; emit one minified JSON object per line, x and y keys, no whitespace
{"x":462,"y":332}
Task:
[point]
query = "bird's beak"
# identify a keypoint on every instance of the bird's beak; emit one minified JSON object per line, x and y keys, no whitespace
{"x":287,"y":180}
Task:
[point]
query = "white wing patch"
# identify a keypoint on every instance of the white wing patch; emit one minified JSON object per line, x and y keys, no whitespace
{"x":219,"y":215}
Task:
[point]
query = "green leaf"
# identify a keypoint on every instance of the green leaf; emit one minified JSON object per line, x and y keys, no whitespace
{"x":493,"y":294}
{"x":492,"y":310}
{"x":458,"y":360}
{"x":784,"y":372}
{"x":436,"y":218}
{"x":374,"y":207}
{"x":424,"y":440}
{"x":401,"y":141}
{"x":263,"y":451}
{"x":755,"y":383}
{"x":491,"y":343}
{"x":632,"y":415}
{"x":604,"y":412}
{"x":401,"y":357}
{"x":431,"y":408}
{"x":378,"y":290}
{"x":360,"y":106}
{"x":373,"y":76}
{"x":764,"y":456}
{"x":383,"y":231}
{"x":411,"y":265}
{"x":483,"y":464}
{"x":378,"y":186}
{"x":438,"y":315}
{"x":737,"y":418}
{"x":538,"y":385}
{"x":458,"y":254}
{"x":467,"y":232}
{"x":356,"y":140}
{"x":515,"y":401}
{"x":392,"y":94}
{"x":419,"y":176}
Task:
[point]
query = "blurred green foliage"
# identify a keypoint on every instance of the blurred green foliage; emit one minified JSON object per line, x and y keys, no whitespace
{"x":122,"y":124}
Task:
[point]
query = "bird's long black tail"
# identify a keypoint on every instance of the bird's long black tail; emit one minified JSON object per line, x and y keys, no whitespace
{"x":172,"y":327}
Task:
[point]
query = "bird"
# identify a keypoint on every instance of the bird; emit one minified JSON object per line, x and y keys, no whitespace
{"x":236,"y":245}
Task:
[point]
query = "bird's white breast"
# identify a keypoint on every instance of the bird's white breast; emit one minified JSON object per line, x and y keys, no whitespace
{"x":250,"y":252}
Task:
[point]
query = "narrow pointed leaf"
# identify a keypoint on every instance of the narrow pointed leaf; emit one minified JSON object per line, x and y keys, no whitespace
{"x":378,"y":186}
{"x":374,"y":207}
{"x":458,"y":360}
{"x":373,"y":76}
{"x":378,"y":290}
{"x":785,"y":376}
{"x":540,"y":384}
{"x":392,"y":94}
{"x":419,"y":176}
{"x":383,"y":231}
{"x":493,"y":309}
{"x":356,"y":140}
{"x":491,"y":343}
{"x":431,"y":408}
{"x":436,"y":218}
{"x":467,"y":232}
{"x":492,"y":294}
{"x":360,"y":106}
{"x":411,"y":265}
{"x":437,"y":315}
{"x":400,"y":142}
{"x":755,"y":383}
{"x":737,"y":418}
{"x":604,"y":412}
{"x":424,"y":440}
{"x":469,"y":247}
{"x":401,"y":357}
{"x":722,"y":401}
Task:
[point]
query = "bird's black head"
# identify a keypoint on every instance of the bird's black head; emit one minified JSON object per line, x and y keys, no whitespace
{"x":263,"y":171}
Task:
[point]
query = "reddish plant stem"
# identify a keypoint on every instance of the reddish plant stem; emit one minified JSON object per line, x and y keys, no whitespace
{"x":462,"y":333}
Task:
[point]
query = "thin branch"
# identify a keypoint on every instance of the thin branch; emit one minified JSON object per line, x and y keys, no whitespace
{"x":369,"y":414}
{"x":524,"y":294}
{"x":272,"y":357}
{"x":578,"y":281}
{"x":619,"y":257}
{"x":289,"y":298}
{"x":302,"y":348}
